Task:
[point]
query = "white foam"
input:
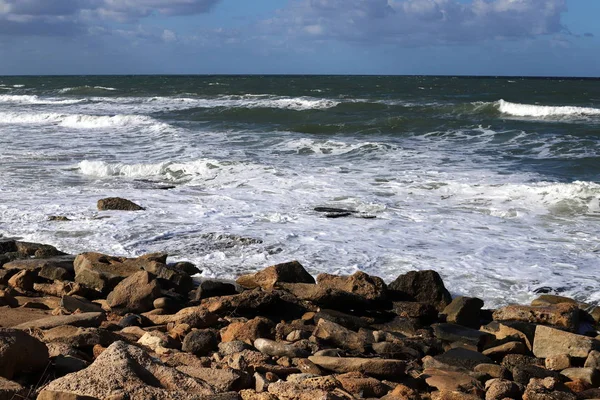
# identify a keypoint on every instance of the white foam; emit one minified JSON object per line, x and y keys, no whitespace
{"x":330,"y":147}
{"x":33,"y":99}
{"x":72,"y":89}
{"x":531,"y":110}
{"x":79,"y":121}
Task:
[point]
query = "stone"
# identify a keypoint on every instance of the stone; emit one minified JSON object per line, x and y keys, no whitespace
{"x":592,"y":360}
{"x":8,"y":245}
{"x":290,"y":272}
{"x":79,"y":337}
{"x":588,"y":375}
{"x":20,"y":353}
{"x":7,"y":300}
{"x":451,"y":381}
{"x":52,"y":395}
{"x":359,"y":384}
{"x":563,"y":315}
{"x":60,"y":288}
{"x":341,"y":337}
{"x":498,"y":389}
{"x":558,"y":362}
{"x":117,"y":203}
{"x":547,"y":389}
{"x":425,"y":313}
{"x":236,"y":346}
{"x":462,"y":358}
{"x":505,"y":332}
{"x":506,"y":348}
{"x":306,"y":366}
{"x":212,"y":288}
{"x":223,"y":380}
{"x":369,"y":287}
{"x":376,"y":367}
{"x":89,"y":320}
{"x":452,"y":395}
{"x":248,"y":332}
{"x":325,"y":297}
{"x":200,"y":342}
{"x":73,"y":303}
{"x":55,"y":268}
{"x":186,"y":267}
{"x":293,"y":391}
{"x":279,"y":349}
{"x":249,"y":394}
{"x":165,"y":303}
{"x":492,"y":370}
{"x":464,"y":311}
{"x":461,"y":334}
{"x":549,"y":299}
{"x":181,"y":282}
{"x":523,"y":374}
{"x":10,"y":390}
{"x":67,"y":364}
{"x":551,"y":342}
{"x":37,"y":250}
{"x":158,"y":342}
{"x":346,"y":320}
{"x":424,"y":286}
{"x":127,"y":370}
{"x":134,"y":294}
{"x":102,"y":272}
{"x":23,"y":280}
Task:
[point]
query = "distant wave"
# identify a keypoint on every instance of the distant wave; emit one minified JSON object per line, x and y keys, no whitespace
{"x":86,"y":89}
{"x":77,"y":120}
{"x":531,"y":110}
{"x":33,"y":99}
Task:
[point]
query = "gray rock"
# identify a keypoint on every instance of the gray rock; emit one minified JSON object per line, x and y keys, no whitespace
{"x":588,"y":375}
{"x":211,"y":288}
{"x":341,"y":337}
{"x":461,"y":334}
{"x":236,"y":346}
{"x":200,"y":342}
{"x":464,"y":311}
{"x":551,"y":342}
{"x":278,"y":349}
{"x":498,"y":389}
{"x":92,"y":319}
{"x":462,"y":358}
{"x":117,"y":203}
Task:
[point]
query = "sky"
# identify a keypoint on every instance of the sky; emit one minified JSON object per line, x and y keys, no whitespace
{"x":406,"y":37}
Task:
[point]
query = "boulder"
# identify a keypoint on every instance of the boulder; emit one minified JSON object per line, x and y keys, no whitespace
{"x":492,"y":370}
{"x":498,"y":389}
{"x":426,"y":286}
{"x":549,"y":299}
{"x":547,"y":389}
{"x":20,"y":353}
{"x":297,"y":391}
{"x":279,"y":349}
{"x":346,"y":320}
{"x":102,"y":272}
{"x":55,"y":268}
{"x":79,"y":337}
{"x":200,"y":342}
{"x":452,"y":381}
{"x":506,"y":348}
{"x":91,"y":319}
{"x":134,"y":294}
{"x":117,"y":203}
{"x":60,"y":288}
{"x":558,"y":362}
{"x":127,"y":370}
{"x":211,"y":288}
{"x":341,"y":337}
{"x":462,"y":359}
{"x":186,"y":267}
{"x":550,"y":342}
{"x":174,"y":278}
{"x":369,"y":287}
{"x":37,"y":250}
{"x":325,"y":297}
{"x":223,"y":380}
{"x":290,"y":272}
{"x":522,"y":332}
{"x":424,"y":313}
{"x":563,"y":315}
{"x":376,"y":367}
{"x":464,"y":311}
{"x":8,"y":245}
{"x":249,"y":331}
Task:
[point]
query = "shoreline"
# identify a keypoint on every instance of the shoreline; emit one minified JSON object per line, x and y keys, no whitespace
{"x":85,"y":320}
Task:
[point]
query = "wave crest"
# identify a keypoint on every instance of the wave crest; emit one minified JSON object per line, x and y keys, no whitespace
{"x":79,"y":121}
{"x":532,"y":110}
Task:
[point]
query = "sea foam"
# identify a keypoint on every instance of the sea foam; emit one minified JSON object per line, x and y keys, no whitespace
{"x":532,"y":110}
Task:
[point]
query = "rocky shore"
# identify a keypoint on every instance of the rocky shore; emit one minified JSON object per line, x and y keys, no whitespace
{"x":94,"y":326}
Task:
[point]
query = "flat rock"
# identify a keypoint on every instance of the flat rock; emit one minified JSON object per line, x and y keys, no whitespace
{"x":563,"y":315}
{"x":342,"y":337}
{"x":290,"y":272}
{"x":80,"y":337}
{"x":426,"y":286}
{"x":92,"y":319}
{"x":20,"y":353}
{"x":73,"y":303}
{"x":223,"y":380}
{"x":462,"y":358}
{"x":325,"y":297}
{"x":52,"y":395}
{"x":9,"y":317}
{"x":371,"y":288}
{"x":588,"y":375}
{"x":461,"y":334}
{"x":551,"y":342}
{"x":451,"y":381}
{"x":376,"y":367}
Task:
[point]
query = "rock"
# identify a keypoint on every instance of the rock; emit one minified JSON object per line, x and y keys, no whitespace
{"x":210,"y":288}
{"x":549,"y":299}
{"x":450,"y":395}
{"x":492,"y":370}
{"x":181,"y":282}
{"x":342,"y":337}
{"x":91,"y":319}
{"x":278,"y":349}
{"x":588,"y":375}
{"x":7,"y":300}
{"x":451,"y":381}
{"x":462,"y":358}
{"x":20,"y":353}
{"x":290,"y":272}
{"x":424,"y":286}
{"x":10,"y":390}
{"x":396,"y":350}
{"x":123,"y":369}
{"x":506,"y":348}
{"x":593,"y":360}
{"x":37,"y":250}
{"x":461,"y":334}
{"x":102,"y":272}
{"x":248,"y":332}
{"x":186,"y":267}
{"x":8,"y":245}
{"x":52,"y":395}
{"x":223,"y":380}
{"x":54,"y":268}
{"x":498,"y":389}
{"x":558,"y":362}
{"x":67,"y":364}
{"x":236,"y":346}
{"x":23,"y":280}
{"x":59,"y":289}
{"x":362,"y":385}
{"x":551,"y":342}
{"x":369,"y":287}
{"x":134,"y":294}
{"x":79,"y":337}
{"x":249,"y":394}
{"x":563,"y":315}
{"x":425,"y":313}
{"x":165,"y":303}
{"x":404,"y":326}
{"x":464,"y":311}
{"x":117,"y":203}
{"x":402,"y":392}
{"x":200,"y":342}
{"x":515,"y":332}
{"x":307,"y":367}
{"x":158,"y":342}
{"x":523,"y":374}
{"x":293,"y":391}
{"x":5,"y":275}
{"x":325,"y":297}
{"x":376,"y":367}
{"x":546,"y":389}
{"x":72,"y":304}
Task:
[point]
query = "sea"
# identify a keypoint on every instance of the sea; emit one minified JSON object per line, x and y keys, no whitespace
{"x":494,"y":182}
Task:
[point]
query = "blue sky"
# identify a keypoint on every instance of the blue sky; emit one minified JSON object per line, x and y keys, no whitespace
{"x":462,"y":37}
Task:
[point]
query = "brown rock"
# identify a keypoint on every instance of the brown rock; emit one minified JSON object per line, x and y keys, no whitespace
{"x":464,"y":311}
{"x":60,"y":288}
{"x":324,"y":297}
{"x":20,"y":352}
{"x":117,"y":203}
{"x":450,"y":395}
{"x":195,"y":317}
{"x":505,"y":333}
{"x":291,"y":272}
{"x":369,"y":287}
{"x":462,"y":334}
{"x":93,"y":319}
{"x":376,"y":367}
{"x":547,"y":389}
{"x":563,"y":315}
{"x":293,"y":391}
{"x":426,"y":286}
{"x":223,"y":380}
{"x":249,"y":394}
{"x":134,"y":294}
{"x":492,"y":370}
{"x":551,"y":342}
{"x":587,"y":375}
{"x":79,"y":337}
{"x":37,"y":250}
{"x":52,"y":395}
{"x":403,"y":392}
{"x":558,"y":362}
{"x":10,"y":390}
{"x":74,"y":303}
{"x":102,"y":272}
{"x":23,"y":280}
{"x":452,"y":381}
{"x":248,"y":332}
{"x":506,"y":348}
{"x":592,"y":360}
{"x":498,"y":389}
{"x":342,"y":337}
{"x":362,"y":385}
{"x":7,"y":300}
{"x":549,"y":299}
{"x":424,"y":312}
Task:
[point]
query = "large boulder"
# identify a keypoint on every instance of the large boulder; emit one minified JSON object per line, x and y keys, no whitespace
{"x":117,"y":203}
{"x":426,"y":286}
{"x":562,"y":315}
{"x":20,"y":353}
{"x":128,"y":371}
{"x":134,"y":294}
{"x":550,"y":342}
{"x":369,"y":287}
{"x":290,"y":272}
{"x":200,"y":342}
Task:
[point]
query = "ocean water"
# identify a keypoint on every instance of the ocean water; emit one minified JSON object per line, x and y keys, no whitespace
{"x":493,"y":182}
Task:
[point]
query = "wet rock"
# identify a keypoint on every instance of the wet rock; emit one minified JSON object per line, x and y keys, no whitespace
{"x":563,"y":315}
{"x":464,"y":311}
{"x":558,"y":362}
{"x":117,"y":203}
{"x":20,"y":353}
{"x":588,"y":375}
{"x":278,"y":349}
{"x":339,"y":336}
{"x":551,"y":342}
{"x":92,"y":319}
{"x":290,"y":272}
{"x":376,"y":367}
{"x":369,"y":287}
{"x":424,"y":286}
{"x":200,"y":342}
{"x":72,"y":304}
{"x":498,"y":389}
{"x":461,"y":334}
{"x":209,"y":288}
{"x":249,"y":331}
{"x":128,"y":370}
{"x":134,"y":294}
